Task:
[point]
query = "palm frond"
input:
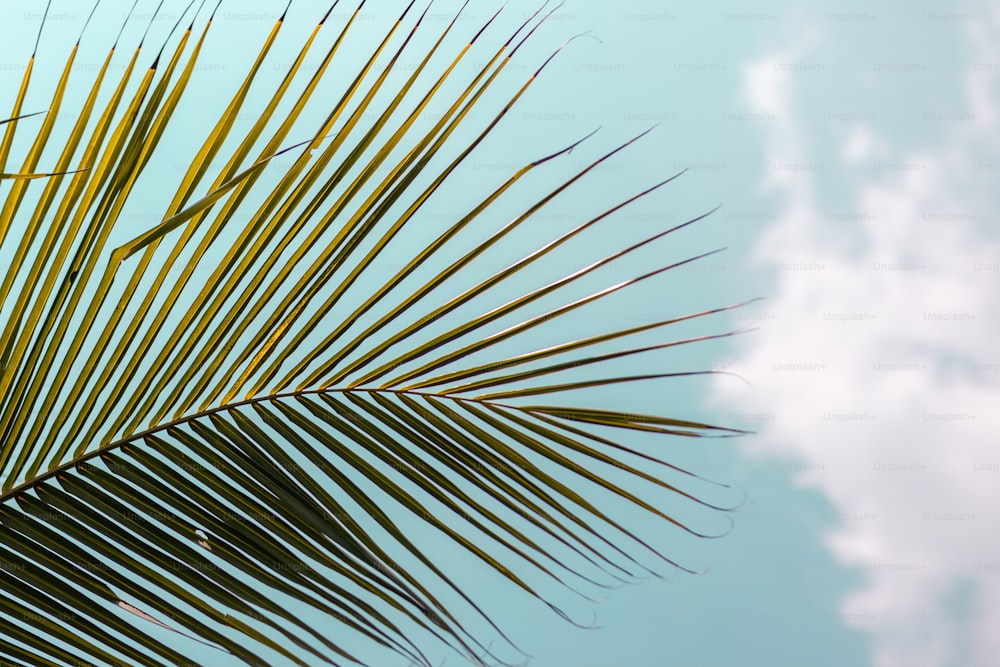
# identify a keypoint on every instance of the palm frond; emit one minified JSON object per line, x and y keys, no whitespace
{"x":233,"y":423}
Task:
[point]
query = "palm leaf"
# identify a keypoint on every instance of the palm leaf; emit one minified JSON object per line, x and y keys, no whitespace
{"x":232,"y":429}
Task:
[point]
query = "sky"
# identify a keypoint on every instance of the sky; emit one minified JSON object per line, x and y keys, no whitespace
{"x":879,"y":361}
{"x":854,"y":154}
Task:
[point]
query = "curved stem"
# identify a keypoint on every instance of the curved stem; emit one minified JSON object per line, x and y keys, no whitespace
{"x":83,"y":458}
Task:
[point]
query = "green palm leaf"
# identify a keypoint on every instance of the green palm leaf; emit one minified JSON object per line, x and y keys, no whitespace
{"x":233,"y":429}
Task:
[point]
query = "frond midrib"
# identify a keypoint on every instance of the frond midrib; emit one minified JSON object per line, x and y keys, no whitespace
{"x":229,"y":407}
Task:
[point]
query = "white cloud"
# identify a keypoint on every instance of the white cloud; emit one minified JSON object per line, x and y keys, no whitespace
{"x":882,"y":367}
{"x":860,"y":145}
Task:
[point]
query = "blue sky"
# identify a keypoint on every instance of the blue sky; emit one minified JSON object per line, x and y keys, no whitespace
{"x":854,"y":153}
